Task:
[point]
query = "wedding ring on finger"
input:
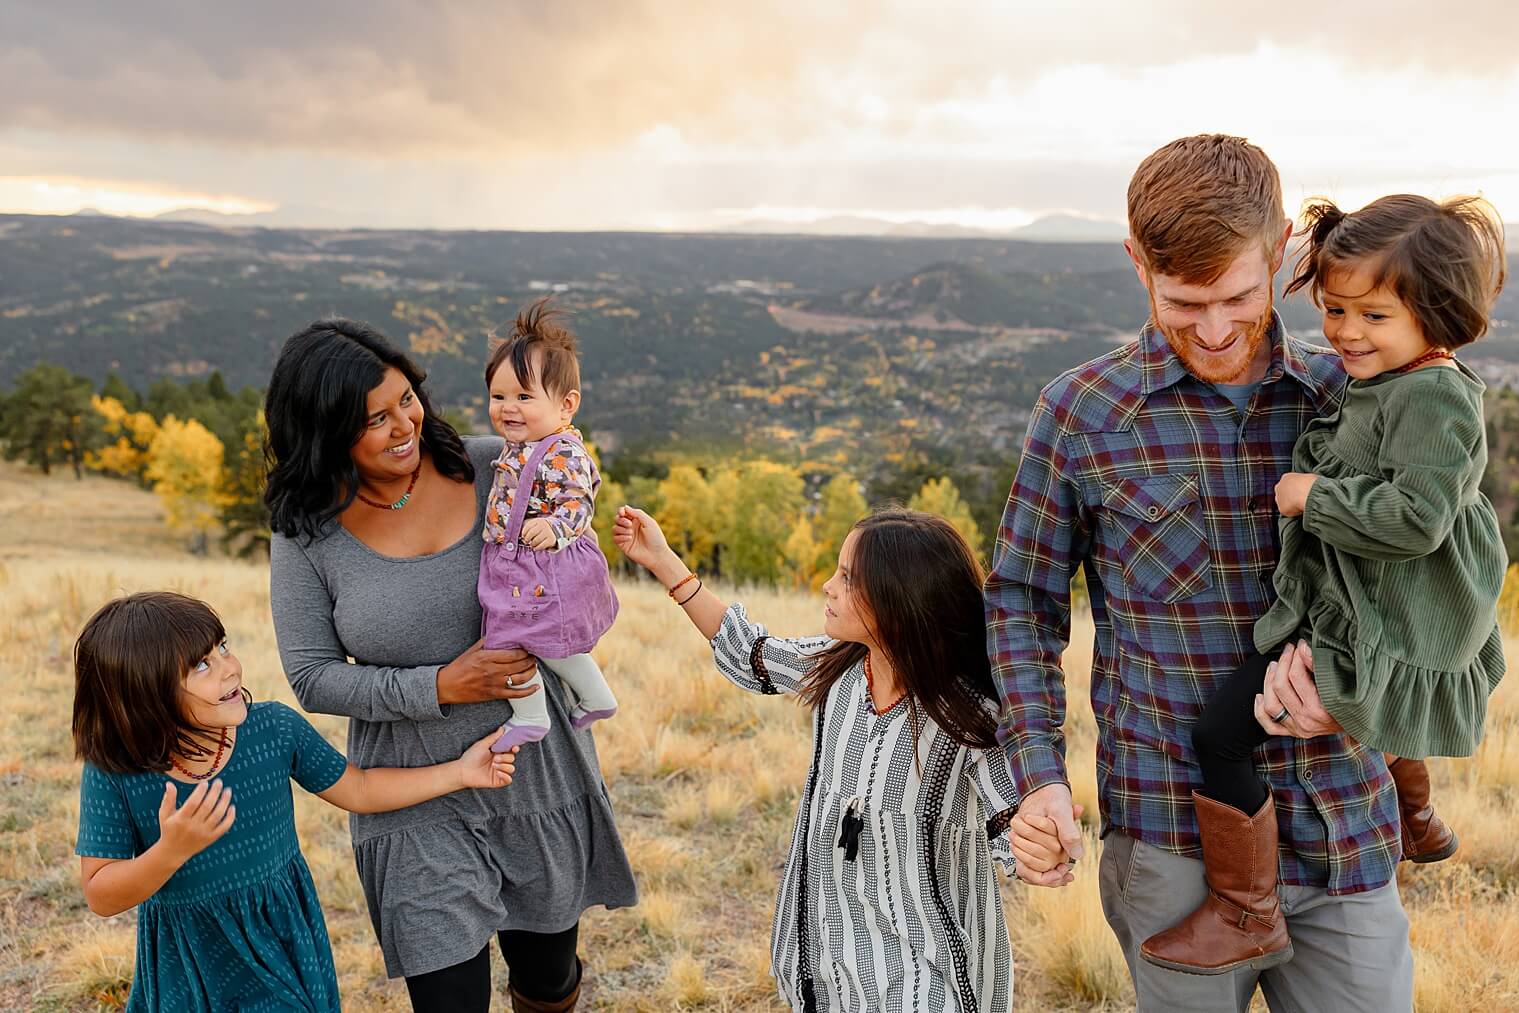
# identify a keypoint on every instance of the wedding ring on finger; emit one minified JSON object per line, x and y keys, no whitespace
{"x":509,"y":683}
{"x":1283,"y":716}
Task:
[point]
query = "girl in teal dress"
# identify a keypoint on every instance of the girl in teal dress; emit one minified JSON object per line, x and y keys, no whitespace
{"x":228,"y":914}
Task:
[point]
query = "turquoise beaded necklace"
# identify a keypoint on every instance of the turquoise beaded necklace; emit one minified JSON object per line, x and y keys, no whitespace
{"x":405,"y":497}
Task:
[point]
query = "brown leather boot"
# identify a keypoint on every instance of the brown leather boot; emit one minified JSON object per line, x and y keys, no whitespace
{"x":522,"y":1004}
{"x":1426,"y":838}
{"x":1241,"y":922}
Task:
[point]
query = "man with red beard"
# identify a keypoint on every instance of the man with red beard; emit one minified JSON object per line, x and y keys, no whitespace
{"x":1153,"y":468}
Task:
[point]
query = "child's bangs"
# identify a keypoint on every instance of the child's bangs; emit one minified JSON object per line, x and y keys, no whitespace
{"x":190,"y":632}
{"x":1380,"y":265}
{"x":522,"y":361}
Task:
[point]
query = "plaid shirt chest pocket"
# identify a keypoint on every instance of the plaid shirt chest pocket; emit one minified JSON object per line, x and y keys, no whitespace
{"x":1153,"y":526}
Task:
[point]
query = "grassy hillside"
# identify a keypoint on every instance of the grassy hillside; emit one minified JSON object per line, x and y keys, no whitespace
{"x":704,"y":779}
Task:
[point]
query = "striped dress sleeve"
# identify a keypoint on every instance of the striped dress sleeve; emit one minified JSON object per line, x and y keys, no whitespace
{"x":750,"y":658}
{"x":991,"y":773}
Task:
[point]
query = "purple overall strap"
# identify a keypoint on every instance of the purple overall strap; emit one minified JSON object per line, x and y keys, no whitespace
{"x":525,"y":485}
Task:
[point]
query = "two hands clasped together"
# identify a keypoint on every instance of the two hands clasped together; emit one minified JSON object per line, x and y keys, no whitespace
{"x":1045,"y":835}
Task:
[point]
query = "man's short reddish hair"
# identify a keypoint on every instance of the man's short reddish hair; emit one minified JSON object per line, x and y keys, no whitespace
{"x":1197,"y":203}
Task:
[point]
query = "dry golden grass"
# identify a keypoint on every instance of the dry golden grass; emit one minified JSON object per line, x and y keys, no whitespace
{"x":704,"y":777}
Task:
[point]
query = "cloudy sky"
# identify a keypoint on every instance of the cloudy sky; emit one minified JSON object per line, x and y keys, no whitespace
{"x":690,"y":114}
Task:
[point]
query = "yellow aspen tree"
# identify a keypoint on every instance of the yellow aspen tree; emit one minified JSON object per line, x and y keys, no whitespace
{"x":840,"y":505}
{"x":801,"y":552}
{"x":939,"y":496}
{"x":608,"y":499}
{"x":185,"y":468}
{"x":244,"y":520}
{"x":767,"y":501}
{"x":128,"y":436}
{"x":687,"y":515}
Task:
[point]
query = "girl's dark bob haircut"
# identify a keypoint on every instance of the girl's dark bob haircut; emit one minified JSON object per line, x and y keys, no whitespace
{"x":130,"y":663}
{"x":315,"y":411}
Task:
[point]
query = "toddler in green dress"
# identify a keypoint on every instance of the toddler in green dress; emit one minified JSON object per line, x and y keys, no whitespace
{"x":228,"y":916}
{"x":1391,"y":560}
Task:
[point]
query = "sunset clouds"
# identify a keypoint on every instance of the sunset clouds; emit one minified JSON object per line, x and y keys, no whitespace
{"x":574,"y":114}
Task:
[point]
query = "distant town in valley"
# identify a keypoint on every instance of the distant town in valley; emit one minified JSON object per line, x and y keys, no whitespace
{"x":906,"y":356}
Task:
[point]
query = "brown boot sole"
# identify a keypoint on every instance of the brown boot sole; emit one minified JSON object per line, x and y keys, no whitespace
{"x":1260,"y":963}
{"x":1436,"y":856}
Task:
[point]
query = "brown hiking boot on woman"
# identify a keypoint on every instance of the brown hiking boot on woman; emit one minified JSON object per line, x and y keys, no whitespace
{"x":1426,"y":838}
{"x":522,"y":1004}
{"x":1241,"y":922}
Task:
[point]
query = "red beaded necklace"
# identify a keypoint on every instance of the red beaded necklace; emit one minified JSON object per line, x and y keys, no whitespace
{"x":215,"y":762}
{"x":870,"y":681}
{"x":405,"y":497}
{"x":1429,"y":356}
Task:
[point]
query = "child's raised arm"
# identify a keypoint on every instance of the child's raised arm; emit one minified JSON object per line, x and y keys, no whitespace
{"x":640,"y":539}
{"x":381,"y":789}
{"x":114,"y":885}
{"x":786,"y":662}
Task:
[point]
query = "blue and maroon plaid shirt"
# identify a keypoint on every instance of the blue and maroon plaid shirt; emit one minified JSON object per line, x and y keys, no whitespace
{"x":1152,"y":482}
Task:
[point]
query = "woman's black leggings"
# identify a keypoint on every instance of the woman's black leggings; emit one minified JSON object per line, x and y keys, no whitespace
{"x":1227,"y":734}
{"x":542,"y":965}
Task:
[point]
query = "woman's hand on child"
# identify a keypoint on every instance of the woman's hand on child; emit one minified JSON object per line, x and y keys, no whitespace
{"x":538,"y":533}
{"x":189,"y":829}
{"x":1292,"y":493}
{"x":481,"y":768}
{"x":478,"y":675}
{"x":639,"y":538}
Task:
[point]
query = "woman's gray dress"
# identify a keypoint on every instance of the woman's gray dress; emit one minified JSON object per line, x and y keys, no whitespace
{"x":442,"y":876}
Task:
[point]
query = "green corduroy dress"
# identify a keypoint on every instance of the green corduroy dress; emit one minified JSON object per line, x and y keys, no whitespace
{"x":1394,"y":568}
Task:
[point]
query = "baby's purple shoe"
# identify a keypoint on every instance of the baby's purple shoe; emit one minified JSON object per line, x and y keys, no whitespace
{"x":513,"y":734}
{"x":580,"y":718}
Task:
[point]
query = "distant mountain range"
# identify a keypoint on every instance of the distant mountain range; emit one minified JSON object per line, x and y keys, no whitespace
{"x":293,"y":216}
{"x":1055,"y":228}
{"x":1059,"y":228}
{"x":1052,"y":228}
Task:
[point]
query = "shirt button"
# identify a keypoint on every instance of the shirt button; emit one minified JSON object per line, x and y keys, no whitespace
{"x":1154,"y":512}
{"x":1308,"y":774}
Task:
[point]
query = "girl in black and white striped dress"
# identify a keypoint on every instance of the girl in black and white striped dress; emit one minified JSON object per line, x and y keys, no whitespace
{"x":889,"y":901}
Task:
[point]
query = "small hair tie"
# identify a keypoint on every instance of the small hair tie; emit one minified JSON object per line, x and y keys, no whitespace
{"x":1328,"y":219}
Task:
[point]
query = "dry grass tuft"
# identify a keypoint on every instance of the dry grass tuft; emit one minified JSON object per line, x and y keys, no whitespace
{"x":1062,"y":934}
{"x":704,"y":777}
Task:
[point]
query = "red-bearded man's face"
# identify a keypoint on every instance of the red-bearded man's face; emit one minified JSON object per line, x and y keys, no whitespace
{"x":1218,"y":330}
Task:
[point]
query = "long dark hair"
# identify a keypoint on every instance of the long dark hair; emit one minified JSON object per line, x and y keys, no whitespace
{"x":130,"y":663}
{"x":315,"y":409}
{"x":1444,"y":261}
{"x":917,"y":586}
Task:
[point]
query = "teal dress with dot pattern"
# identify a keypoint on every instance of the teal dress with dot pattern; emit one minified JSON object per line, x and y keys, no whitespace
{"x":239,"y":926}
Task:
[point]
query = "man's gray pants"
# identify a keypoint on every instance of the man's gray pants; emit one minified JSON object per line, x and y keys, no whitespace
{"x":1350,"y":952}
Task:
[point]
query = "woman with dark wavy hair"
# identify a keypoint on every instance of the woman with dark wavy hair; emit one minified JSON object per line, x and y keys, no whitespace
{"x":376,"y":503}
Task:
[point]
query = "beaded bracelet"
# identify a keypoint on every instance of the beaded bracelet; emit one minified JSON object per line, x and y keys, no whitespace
{"x":680,"y":584}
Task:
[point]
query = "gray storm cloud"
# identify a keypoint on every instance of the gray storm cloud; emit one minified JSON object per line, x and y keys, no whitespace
{"x":391,"y":77}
